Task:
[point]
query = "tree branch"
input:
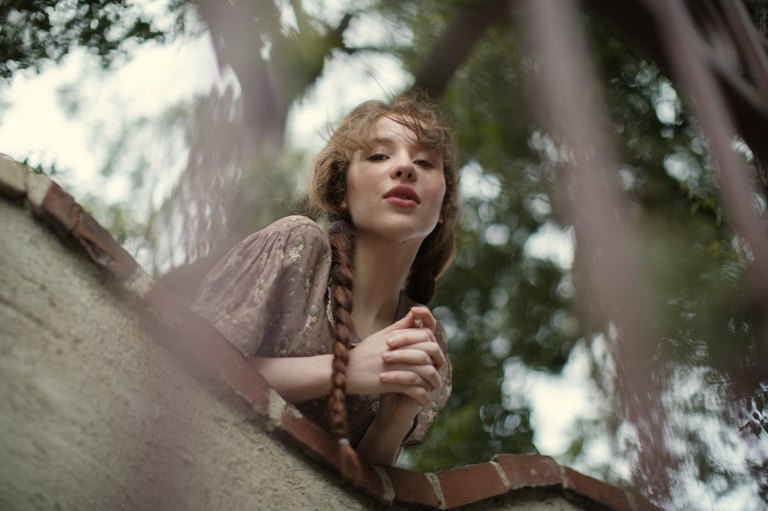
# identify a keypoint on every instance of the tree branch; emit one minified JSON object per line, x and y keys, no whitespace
{"x":454,"y":45}
{"x":237,"y":36}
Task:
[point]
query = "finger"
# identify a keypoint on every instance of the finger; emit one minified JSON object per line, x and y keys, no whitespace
{"x":407,"y":356}
{"x":400,"y":338}
{"x":424,"y":316}
{"x":419,"y":394}
{"x":430,"y":375}
{"x":430,"y":348}
{"x":418,"y":354}
{"x":403,"y":375}
{"x":416,"y":375}
{"x":402,"y":323}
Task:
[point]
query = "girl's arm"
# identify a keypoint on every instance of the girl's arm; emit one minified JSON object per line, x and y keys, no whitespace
{"x":372,"y":369}
{"x":297,"y":379}
{"x":399,"y":362}
{"x":383,"y":440}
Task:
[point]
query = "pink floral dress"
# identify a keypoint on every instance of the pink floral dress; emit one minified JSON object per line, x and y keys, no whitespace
{"x":269,"y":297}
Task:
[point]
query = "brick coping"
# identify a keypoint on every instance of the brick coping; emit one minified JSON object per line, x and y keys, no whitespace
{"x":448,"y":489}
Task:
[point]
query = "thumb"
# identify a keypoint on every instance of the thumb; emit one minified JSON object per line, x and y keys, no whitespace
{"x":406,"y":321}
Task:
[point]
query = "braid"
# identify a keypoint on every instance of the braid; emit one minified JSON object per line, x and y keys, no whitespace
{"x":342,"y":240}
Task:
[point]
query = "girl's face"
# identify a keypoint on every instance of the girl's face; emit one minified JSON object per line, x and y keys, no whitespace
{"x":395,"y":186}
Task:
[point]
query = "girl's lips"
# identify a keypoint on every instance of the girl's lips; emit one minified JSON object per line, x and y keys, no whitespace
{"x":403,"y":196}
{"x":402,"y":203}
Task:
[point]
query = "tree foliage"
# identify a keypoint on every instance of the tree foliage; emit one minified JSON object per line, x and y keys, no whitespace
{"x":36,"y":31}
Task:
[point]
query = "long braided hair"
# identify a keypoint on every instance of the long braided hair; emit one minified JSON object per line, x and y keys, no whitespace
{"x":326,"y":192}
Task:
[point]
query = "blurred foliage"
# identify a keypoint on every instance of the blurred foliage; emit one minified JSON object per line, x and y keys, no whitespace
{"x":510,"y":311}
{"x":45,"y":170}
{"x":36,"y":31}
{"x":496,"y":291}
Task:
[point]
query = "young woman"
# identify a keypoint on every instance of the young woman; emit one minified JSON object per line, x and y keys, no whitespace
{"x":332,"y":319}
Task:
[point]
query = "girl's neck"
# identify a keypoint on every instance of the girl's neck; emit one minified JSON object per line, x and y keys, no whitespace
{"x":381,"y":269}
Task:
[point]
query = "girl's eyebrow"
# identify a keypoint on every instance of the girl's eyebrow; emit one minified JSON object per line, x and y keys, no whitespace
{"x":380,"y":140}
{"x":388,"y":141}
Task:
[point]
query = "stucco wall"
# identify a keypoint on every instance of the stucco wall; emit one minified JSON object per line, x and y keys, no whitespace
{"x":95,"y":414}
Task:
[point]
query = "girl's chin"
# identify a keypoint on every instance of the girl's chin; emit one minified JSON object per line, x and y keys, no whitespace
{"x":396,"y":233}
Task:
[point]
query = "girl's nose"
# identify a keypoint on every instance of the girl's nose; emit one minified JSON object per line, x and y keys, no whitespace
{"x":404,"y":172}
{"x":403,"y":169}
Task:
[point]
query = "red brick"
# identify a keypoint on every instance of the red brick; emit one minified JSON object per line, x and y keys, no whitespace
{"x":641,"y":503}
{"x":465,"y":485}
{"x":370,"y":482}
{"x":61,"y":209}
{"x":412,"y":488}
{"x":103,"y":248}
{"x":67,"y":216}
{"x":529,"y":470}
{"x":597,"y":491}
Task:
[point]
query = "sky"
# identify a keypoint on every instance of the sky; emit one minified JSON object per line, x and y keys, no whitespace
{"x":68,"y":114}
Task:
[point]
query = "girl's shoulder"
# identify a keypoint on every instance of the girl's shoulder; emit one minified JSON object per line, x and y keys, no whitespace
{"x":289,"y":239}
{"x":295,"y":224}
{"x":288,"y":244}
{"x":303,"y":240}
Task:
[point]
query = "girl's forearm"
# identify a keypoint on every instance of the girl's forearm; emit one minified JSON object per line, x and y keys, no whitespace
{"x":382,"y":442}
{"x":297,"y":379}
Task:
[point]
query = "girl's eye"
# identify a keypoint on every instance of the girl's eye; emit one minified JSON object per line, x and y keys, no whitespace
{"x":377,"y":157}
{"x":424,"y":164}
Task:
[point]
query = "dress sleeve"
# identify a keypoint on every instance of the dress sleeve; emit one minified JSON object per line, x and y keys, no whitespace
{"x":263,"y":295}
{"x":426,"y":417}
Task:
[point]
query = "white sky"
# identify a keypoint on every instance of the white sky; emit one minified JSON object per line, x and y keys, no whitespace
{"x":35,"y":126}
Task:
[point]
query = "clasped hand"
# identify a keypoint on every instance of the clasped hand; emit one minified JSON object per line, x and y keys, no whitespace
{"x":403,"y":358}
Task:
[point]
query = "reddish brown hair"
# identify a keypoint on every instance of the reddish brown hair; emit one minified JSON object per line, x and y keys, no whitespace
{"x":327,"y":189}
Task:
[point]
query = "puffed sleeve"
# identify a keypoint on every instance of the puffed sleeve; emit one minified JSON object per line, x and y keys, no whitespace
{"x":266,"y":295}
{"x":426,"y":417}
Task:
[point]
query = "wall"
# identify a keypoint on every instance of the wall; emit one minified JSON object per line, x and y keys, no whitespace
{"x":96,"y":414}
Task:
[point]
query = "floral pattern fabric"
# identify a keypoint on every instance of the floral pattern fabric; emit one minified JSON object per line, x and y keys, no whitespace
{"x":269,"y":297}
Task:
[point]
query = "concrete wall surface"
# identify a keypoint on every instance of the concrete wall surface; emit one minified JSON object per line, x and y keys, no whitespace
{"x":94,"y":414}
